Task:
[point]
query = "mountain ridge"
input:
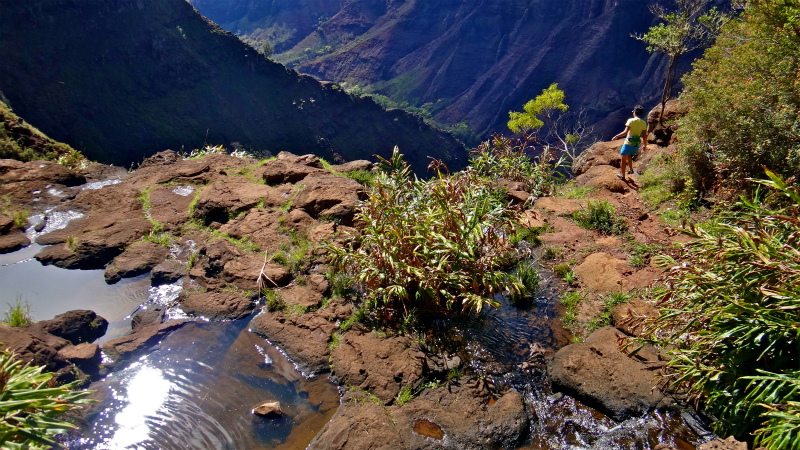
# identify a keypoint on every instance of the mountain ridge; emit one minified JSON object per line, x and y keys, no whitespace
{"x":129,"y":78}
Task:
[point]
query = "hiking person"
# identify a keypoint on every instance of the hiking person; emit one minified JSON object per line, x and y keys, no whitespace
{"x":635,"y":134}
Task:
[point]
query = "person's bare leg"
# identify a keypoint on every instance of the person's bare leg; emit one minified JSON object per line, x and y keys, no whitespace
{"x":623,"y":161}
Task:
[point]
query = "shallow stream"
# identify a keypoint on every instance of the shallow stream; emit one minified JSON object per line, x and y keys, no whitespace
{"x":196,"y":390}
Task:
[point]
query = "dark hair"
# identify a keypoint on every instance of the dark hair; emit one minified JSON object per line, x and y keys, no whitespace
{"x":638,"y":110}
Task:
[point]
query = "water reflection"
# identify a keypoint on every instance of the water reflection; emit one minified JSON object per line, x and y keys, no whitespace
{"x":197,"y":391}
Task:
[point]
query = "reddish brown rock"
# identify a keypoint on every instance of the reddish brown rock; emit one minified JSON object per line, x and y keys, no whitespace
{"x":138,"y":259}
{"x":169,"y":205}
{"x":216,"y":305}
{"x":599,"y":154}
{"x":723,"y":444}
{"x":6,"y":224}
{"x":598,"y":374}
{"x":268,"y":409}
{"x":85,"y":356}
{"x":329,"y":197}
{"x":379,"y":366}
{"x":34,"y":345}
{"x":603,"y":177}
{"x":245,"y":272}
{"x":663,"y":132}
{"x":13,"y":241}
{"x":220,"y":199}
{"x":304,"y":296}
{"x":125,"y":347}
{"x":304,"y":338}
{"x":600,"y":272}
{"x":457,"y":417}
{"x":338,"y":309}
{"x":260,"y":226}
{"x":361,"y":164}
{"x":76,"y":326}
{"x":41,"y":171}
{"x":168,"y":271}
{"x":319,"y":283}
{"x":288,"y":168}
{"x":560,"y":206}
{"x":629,"y":317}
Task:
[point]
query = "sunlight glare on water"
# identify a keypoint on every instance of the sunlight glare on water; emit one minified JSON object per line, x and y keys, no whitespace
{"x":146,"y":394}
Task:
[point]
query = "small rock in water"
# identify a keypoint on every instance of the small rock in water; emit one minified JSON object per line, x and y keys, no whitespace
{"x":268,"y":409}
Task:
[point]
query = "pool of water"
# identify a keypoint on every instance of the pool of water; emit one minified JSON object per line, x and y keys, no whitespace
{"x":197,"y":389}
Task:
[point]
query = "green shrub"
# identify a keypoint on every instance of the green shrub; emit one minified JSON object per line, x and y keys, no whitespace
{"x":506,"y":158}
{"x":665,"y":176}
{"x":20,"y":218}
{"x":31,"y":405}
{"x":430,"y":244}
{"x":730,"y":318}
{"x":745,"y":100}
{"x":601,"y":216}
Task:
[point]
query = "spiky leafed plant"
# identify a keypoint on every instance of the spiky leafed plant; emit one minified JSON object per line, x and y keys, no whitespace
{"x":30,"y":404}
{"x":436,"y":244}
{"x":507,"y":158}
{"x":731,"y":316}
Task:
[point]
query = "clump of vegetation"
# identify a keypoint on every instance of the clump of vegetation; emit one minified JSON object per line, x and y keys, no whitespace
{"x":16,"y":143}
{"x":601,"y":216}
{"x":18,"y":314}
{"x":572,"y":301}
{"x":31,"y":405}
{"x":745,"y":100}
{"x":430,"y":244}
{"x":730,"y":318}
{"x":507,"y":158}
{"x":528,"y":275}
{"x":609,"y":302}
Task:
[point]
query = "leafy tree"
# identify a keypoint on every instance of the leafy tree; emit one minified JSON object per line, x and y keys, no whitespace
{"x":684,"y":28}
{"x":266,"y":48}
{"x":545,"y":116}
{"x":745,"y":99}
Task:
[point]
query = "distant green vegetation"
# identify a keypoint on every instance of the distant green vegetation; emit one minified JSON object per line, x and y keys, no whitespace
{"x":21,"y":141}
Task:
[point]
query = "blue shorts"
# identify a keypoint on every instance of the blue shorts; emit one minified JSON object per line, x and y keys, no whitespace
{"x":629,"y":149}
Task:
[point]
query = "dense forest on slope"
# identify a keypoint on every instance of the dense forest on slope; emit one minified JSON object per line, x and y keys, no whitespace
{"x":120,"y":80}
{"x":467,"y":61}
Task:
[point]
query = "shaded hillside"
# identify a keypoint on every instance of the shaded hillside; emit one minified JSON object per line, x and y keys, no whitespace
{"x":123,"y":79}
{"x":19,"y":140}
{"x":476,"y":60}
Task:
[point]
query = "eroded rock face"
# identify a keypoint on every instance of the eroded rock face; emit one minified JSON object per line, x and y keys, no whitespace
{"x":219,"y":200}
{"x":379,"y":366}
{"x":449,"y":417}
{"x":216,"y":305}
{"x":304,"y":338}
{"x":138,"y":259}
{"x":663,"y":133}
{"x":329,"y":197}
{"x":167,"y":272}
{"x":598,"y":374}
{"x":246,"y":270}
{"x":125,"y":347}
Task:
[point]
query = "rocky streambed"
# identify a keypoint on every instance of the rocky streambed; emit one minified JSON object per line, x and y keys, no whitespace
{"x":202,"y":349}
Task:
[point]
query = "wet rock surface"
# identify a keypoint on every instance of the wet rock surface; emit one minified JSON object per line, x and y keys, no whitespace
{"x":126,"y":347}
{"x":599,"y":374}
{"x":138,"y":259}
{"x":380,"y":366}
{"x":448,"y":417}
{"x":216,"y":305}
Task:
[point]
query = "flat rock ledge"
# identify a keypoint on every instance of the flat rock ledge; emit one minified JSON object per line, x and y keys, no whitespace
{"x":598,"y":374}
{"x":454,"y":417}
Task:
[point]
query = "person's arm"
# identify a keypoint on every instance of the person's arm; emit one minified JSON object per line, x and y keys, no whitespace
{"x":644,"y":139}
{"x":624,"y":133}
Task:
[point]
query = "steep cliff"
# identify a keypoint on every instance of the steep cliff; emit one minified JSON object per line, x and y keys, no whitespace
{"x":123,"y":79}
{"x":475,"y":59}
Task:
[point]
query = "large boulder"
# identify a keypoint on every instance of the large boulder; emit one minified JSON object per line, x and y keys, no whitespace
{"x":216,"y":305}
{"x":138,"y":259}
{"x":76,"y":326}
{"x":600,"y":272}
{"x":219,"y":200}
{"x":304,"y":339}
{"x":598,"y":374}
{"x":289,"y":168}
{"x":379,"y":366}
{"x":260,"y":226}
{"x":599,"y":154}
{"x":329,"y":197}
{"x":663,"y":133}
{"x":602,"y":177}
{"x":246,"y":271}
{"x":457,"y":417}
{"x":13,"y":241}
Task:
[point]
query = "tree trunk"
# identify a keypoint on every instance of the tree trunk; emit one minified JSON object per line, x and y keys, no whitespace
{"x":666,"y":94}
